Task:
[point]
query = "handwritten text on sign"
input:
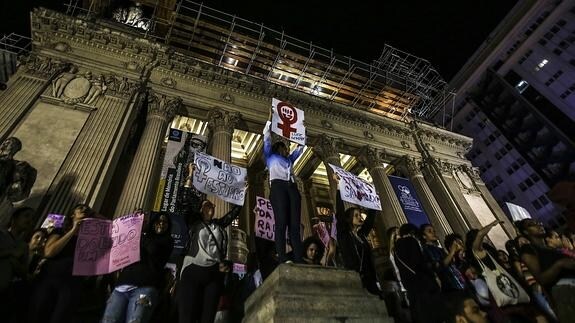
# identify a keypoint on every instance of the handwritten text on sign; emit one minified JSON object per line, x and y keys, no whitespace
{"x":287,"y":121}
{"x":216,"y":177}
{"x":355,"y":190}
{"x":105,"y":246}
{"x":265,"y":221}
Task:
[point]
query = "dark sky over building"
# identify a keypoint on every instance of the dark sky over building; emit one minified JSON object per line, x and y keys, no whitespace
{"x":444,"y":32}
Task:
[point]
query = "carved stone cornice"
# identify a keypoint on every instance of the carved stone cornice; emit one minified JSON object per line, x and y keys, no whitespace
{"x":326,"y":147}
{"x":371,"y":157}
{"x":162,"y":106}
{"x":445,"y":167}
{"x":222,"y":120}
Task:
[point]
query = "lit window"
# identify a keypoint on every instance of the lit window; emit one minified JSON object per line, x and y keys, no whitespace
{"x":521,"y":86}
{"x":541,"y":64}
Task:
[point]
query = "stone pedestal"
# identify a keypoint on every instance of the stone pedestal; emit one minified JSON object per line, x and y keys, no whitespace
{"x":300,"y":293}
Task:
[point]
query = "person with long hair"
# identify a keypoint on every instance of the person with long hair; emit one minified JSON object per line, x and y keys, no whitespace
{"x":314,"y":250}
{"x":284,"y":195}
{"x":553,"y":270}
{"x":352,"y":232}
{"x":138,"y":285}
{"x":57,"y":292}
{"x":205,"y":266}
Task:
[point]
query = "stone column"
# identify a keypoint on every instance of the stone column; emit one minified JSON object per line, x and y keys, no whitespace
{"x":142,"y":181}
{"x":24,"y":88}
{"x":439,"y":176}
{"x":221,"y":125}
{"x":430,"y":205}
{"x":326,"y":149}
{"x":305,"y":218}
{"x":393,"y":215}
{"x":491,"y":202}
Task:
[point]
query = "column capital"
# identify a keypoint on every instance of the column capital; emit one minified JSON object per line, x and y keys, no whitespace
{"x":326,"y":147}
{"x":222,"y":120}
{"x":371,"y":157}
{"x":163,"y":106}
{"x":410,"y":165}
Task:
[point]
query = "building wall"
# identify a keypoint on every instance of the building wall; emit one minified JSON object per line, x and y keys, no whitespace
{"x":534,"y":44}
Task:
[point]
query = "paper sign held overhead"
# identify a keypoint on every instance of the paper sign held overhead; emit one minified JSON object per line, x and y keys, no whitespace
{"x":288,"y":121}
{"x":216,"y":177}
{"x":355,"y":190}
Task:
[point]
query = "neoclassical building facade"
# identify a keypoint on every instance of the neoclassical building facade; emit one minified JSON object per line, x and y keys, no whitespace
{"x":92,"y":105}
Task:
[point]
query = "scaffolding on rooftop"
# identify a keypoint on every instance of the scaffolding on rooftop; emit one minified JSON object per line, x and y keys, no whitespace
{"x":397,"y":84}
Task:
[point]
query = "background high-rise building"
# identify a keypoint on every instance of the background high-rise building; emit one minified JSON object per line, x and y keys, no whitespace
{"x":516,"y":98}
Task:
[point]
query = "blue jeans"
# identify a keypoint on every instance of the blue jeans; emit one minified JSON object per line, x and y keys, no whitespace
{"x":134,"y":306}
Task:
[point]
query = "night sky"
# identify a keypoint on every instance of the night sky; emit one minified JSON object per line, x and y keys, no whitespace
{"x":444,"y":32}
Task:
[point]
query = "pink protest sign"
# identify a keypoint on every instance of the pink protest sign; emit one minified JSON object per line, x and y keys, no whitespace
{"x":105,"y":246}
{"x":264,"y":222}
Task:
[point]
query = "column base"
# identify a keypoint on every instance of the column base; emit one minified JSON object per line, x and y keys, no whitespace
{"x":301,"y":293}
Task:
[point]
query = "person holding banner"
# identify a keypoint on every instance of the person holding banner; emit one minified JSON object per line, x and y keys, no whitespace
{"x":57,"y":291}
{"x":204,"y":267}
{"x":137,"y":288}
{"x":284,"y":194}
{"x":352,"y":232}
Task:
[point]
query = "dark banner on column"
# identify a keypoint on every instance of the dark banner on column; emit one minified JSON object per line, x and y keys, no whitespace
{"x":409,"y":201}
{"x":180,"y":151}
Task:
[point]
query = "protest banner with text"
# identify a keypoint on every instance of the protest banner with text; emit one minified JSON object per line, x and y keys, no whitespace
{"x":105,"y":246}
{"x":409,"y":201}
{"x":264,"y":221}
{"x":288,"y":121}
{"x":216,"y":177}
{"x":180,"y":151}
{"x":355,"y":190}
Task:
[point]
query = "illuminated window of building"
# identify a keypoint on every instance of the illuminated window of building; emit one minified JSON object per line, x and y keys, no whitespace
{"x":132,"y":16}
{"x":541,"y":64}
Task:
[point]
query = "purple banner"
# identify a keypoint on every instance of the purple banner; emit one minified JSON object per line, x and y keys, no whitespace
{"x":409,"y":201}
{"x":105,"y":246}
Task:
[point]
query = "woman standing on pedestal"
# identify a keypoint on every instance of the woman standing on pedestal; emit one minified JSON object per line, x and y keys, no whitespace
{"x":284,"y":194}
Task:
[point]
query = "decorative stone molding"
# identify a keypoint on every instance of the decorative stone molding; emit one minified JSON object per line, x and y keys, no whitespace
{"x":326,"y":147}
{"x":169,"y":82}
{"x":43,"y":66}
{"x":368,"y":135}
{"x":162,"y":106}
{"x":445,"y":167}
{"x":326,"y":124}
{"x":405,"y":145}
{"x":222,"y":120}
{"x":121,"y":86}
{"x":371,"y":157}
{"x":412,"y":166}
{"x":465,"y":182}
{"x":62,"y":47}
{"x":226,"y":97}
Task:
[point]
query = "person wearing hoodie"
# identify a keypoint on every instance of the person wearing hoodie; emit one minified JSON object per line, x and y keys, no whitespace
{"x":137,"y":287}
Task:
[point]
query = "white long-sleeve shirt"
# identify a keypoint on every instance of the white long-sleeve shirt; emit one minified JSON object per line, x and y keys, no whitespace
{"x":279,"y":166}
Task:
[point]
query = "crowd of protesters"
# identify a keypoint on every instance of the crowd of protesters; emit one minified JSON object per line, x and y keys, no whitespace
{"x":460,"y":279}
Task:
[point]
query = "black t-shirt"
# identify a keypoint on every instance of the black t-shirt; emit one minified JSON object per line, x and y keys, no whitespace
{"x":547,"y":257}
{"x":62,"y":264}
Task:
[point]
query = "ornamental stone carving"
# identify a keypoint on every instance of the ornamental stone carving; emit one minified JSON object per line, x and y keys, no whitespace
{"x":465,"y":182}
{"x":42,"y":66}
{"x":412,"y":166}
{"x":168,"y":82}
{"x":62,"y":47}
{"x":60,"y":82}
{"x":405,"y":145}
{"x":162,"y":106}
{"x":445,"y":167}
{"x":226,"y":97}
{"x":326,"y":124}
{"x":371,"y":157}
{"x":368,"y":135}
{"x":219,"y":119}
{"x":121,"y":86}
{"x":326,"y":147}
